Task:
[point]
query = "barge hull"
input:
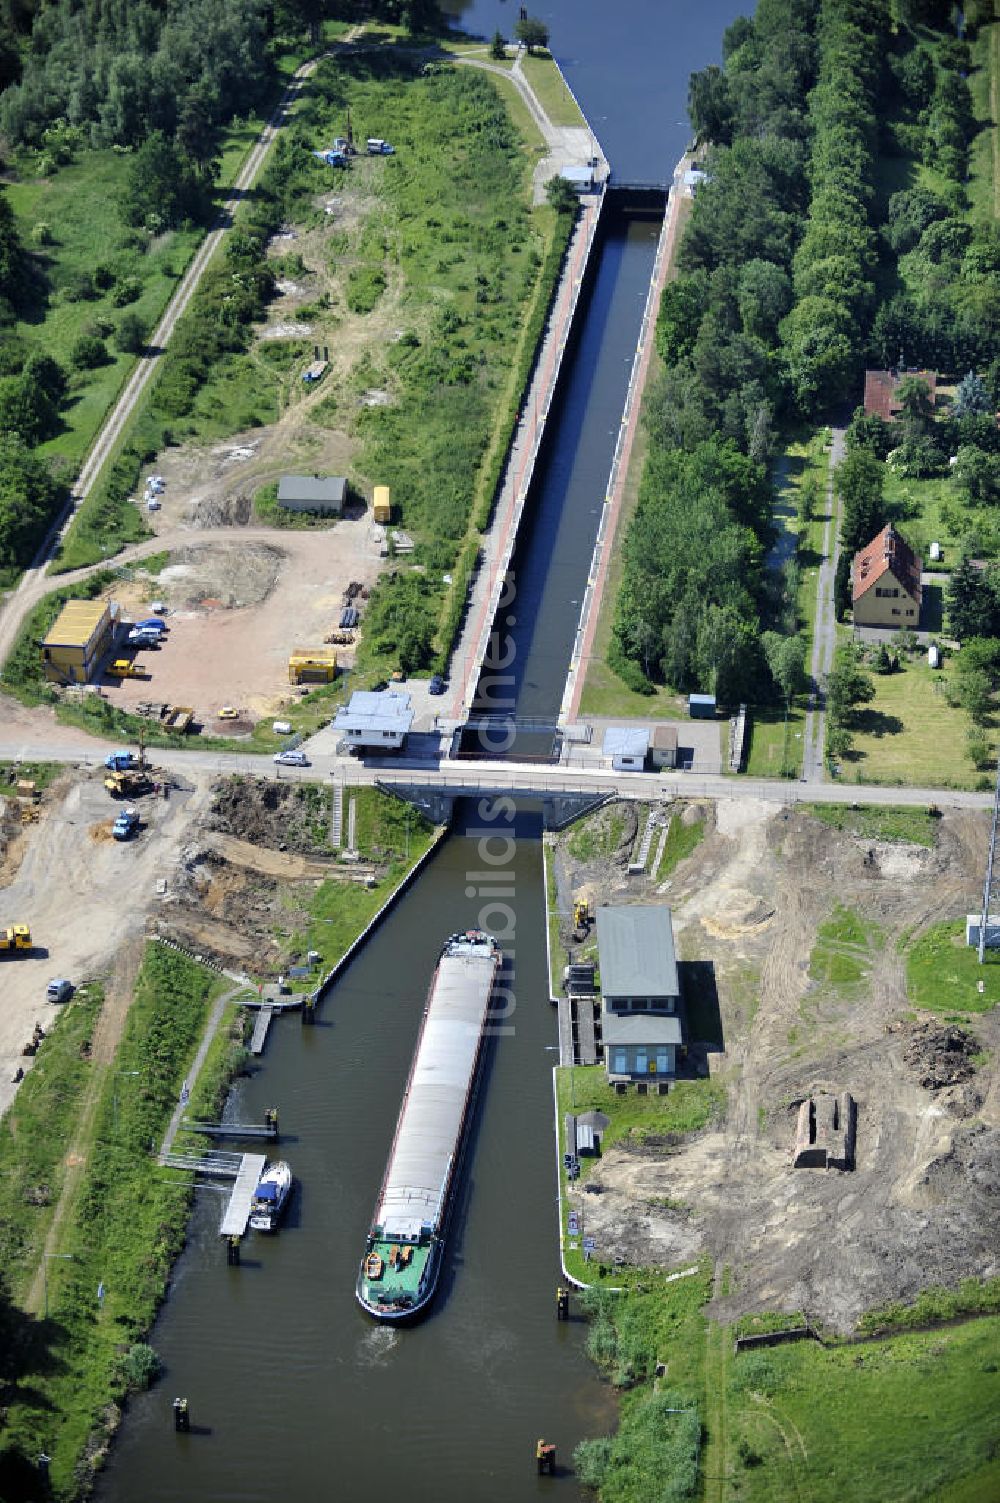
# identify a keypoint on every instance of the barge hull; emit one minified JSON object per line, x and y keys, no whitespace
{"x":402,"y":1262}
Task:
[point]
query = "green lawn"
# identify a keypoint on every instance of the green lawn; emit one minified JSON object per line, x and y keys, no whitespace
{"x":681,"y":840}
{"x":123,"y":1228}
{"x":558,"y":959}
{"x":943,"y":972}
{"x":83,"y":242}
{"x":900,"y":1419}
{"x":550,"y":87}
{"x":909,"y":734}
{"x":776,"y":741}
{"x":841,"y":957}
{"x":873,"y":823}
{"x":35,"y":1132}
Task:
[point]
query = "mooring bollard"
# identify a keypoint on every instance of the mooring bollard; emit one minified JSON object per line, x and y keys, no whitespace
{"x":309,"y":1010}
{"x":271,"y":1120}
{"x":562,"y":1303}
{"x":545,"y":1456}
{"x":182,"y":1419}
{"x":233,"y":1251}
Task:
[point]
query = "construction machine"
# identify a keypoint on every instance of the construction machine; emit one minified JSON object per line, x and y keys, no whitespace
{"x":130,"y":782}
{"x":581,"y":914}
{"x":15,"y":939}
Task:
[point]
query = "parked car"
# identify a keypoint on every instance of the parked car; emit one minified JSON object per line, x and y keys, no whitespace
{"x":59,"y":990}
{"x":152,"y":623}
{"x":141,"y":636}
{"x":228,"y":712}
{"x":152,"y":504}
{"x":436,"y":685}
{"x":155,"y":483}
{"x":291,"y":759}
{"x":158,"y":608}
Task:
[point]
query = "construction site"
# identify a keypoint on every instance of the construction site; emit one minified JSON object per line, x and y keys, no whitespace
{"x":225,"y":869}
{"x":798,"y":935}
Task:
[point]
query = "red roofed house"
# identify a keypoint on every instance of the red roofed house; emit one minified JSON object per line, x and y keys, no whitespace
{"x":881,"y":388}
{"x":886,"y":577}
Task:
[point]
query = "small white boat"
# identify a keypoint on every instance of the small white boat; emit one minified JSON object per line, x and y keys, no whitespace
{"x":270,"y":1197}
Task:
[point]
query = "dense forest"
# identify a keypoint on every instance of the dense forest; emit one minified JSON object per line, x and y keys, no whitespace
{"x":796,"y":271}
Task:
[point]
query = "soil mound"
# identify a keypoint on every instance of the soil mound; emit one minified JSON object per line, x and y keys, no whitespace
{"x":942,"y":1057}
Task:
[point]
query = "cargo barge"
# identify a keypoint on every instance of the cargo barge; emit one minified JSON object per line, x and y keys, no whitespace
{"x":402,"y":1262}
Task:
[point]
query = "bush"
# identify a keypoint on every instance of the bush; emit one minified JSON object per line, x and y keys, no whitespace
{"x":41,"y":233}
{"x":88,"y":353}
{"x":139,"y":1367}
{"x":365,"y":285}
{"x":130,"y":336}
{"x":126,"y":291}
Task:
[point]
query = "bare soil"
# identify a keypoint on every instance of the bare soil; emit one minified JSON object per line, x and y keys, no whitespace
{"x":921,"y":1206}
{"x":238,"y":609}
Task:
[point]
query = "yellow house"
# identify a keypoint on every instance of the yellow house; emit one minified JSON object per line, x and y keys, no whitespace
{"x":312,"y":665}
{"x":886,"y":578}
{"x":382,"y":504}
{"x":77,"y":641}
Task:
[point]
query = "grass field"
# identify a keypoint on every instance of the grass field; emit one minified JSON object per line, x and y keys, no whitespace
{"x":943,"y":973}
{"x":873,"y":823}
{"x":123,"y":1228}
{"x":681,"y":840}
{"x":85,"y":242}
{"x":899,"y":1419}
{"x":776,"y":741}
{"x":547,"y":81}
{"x":841,"y":957}
{"x":558,"y":959}
{"x":909,"y":734}
{"x":34,"y":1134}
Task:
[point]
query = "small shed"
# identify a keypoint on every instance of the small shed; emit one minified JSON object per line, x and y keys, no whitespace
{"x":934,"y":656}
{"x":701,"y":706}
{"x":320,"y":493}
{"x":663,"y":746}
{"x":626,"y":746}
{"x":934,"y":553}
{"x":382,"y":504}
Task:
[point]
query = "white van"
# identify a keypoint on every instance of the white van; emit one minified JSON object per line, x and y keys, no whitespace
{"x":59,"y":990}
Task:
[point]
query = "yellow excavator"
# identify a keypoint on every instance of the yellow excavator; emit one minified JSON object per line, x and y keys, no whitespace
{"x":581,"y":918}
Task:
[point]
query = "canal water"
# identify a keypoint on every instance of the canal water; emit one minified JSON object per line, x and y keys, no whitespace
{"x":300,"y":1393}
{"x":293,"y":1391}
{"x":552,"y":557}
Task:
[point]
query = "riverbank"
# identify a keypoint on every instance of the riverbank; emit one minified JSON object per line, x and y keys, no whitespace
{"x":88,"y":1265}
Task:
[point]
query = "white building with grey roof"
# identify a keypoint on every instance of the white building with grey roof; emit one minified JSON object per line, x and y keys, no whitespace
{"x":640,"y":992}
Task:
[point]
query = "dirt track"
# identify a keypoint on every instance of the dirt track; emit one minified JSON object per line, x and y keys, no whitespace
{"x":922,"y":1204}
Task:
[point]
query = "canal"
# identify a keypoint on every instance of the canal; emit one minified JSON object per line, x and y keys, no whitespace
{"x":293,"y":1391}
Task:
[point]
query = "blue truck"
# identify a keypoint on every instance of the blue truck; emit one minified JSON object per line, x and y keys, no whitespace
{"x":126,"y":824}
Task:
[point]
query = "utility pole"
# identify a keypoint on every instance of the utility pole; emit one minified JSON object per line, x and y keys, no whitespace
{"x":988,"y":884}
